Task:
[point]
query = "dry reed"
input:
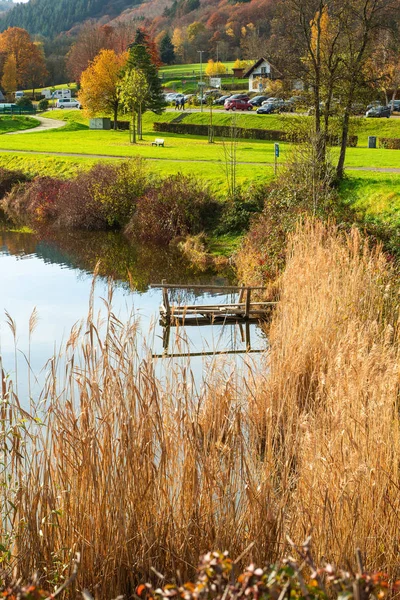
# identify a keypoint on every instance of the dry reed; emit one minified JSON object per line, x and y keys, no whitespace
{"x":137,"y":473}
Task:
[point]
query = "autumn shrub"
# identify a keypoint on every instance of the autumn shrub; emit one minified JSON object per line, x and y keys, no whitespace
{"x":33,"y":203}
{"x":9,"y":178}
{"x":43,"y":104}
{"x":238,"y":211}
{"x":173,"y":207}
{"x":103,"y":197}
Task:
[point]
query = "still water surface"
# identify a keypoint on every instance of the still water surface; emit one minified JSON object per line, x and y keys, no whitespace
{"x":54,"y":273}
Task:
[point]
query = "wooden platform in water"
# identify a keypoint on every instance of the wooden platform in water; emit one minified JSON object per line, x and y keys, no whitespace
{"x":242,"y":312}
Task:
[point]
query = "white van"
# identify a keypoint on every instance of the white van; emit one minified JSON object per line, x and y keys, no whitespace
{"x":19,"y":94}
{"x":68,"y":103}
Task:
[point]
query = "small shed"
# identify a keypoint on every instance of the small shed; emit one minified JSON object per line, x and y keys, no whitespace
{"x":100,"y":123}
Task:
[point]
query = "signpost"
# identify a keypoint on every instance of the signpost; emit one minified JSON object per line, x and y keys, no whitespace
{"x":215,"y":82}
{"x":276,"y":148}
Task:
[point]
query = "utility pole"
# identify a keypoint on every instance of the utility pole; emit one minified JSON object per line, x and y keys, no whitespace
{"x":217,"y":52}
{"x":201,"y":79}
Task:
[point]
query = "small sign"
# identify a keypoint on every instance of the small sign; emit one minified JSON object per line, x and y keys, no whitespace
{"x":276,"y":150}
{"x":215,"y":82}
{"x":260,"y":87}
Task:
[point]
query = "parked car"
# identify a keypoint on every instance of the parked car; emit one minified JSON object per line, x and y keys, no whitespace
{"x":238,"y":104}
{"x":379,"y":111}
{"x":240,"y":97}
{"x":220,"y":101}
{"x":374,"y":104}
{"x":68,"y":103}
{"x":258,"y":100}
{"x":269,"y":108}
{"x":286,"y":106}
{"x":394,"y":105}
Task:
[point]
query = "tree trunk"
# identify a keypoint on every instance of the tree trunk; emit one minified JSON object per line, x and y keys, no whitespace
{"x":140,"y":122}
{"x":115,"y":118}
{"x":343,"y":144}
{"x":133,"y":131}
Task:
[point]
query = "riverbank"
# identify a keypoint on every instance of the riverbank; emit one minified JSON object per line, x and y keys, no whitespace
{"x":154,"y":469}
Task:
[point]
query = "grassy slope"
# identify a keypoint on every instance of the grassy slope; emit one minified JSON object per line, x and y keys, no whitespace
{"x":17,"y":123}
{"x":378,"y":194}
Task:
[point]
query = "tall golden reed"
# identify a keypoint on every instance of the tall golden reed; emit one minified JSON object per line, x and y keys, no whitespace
{"x":136,"y":473}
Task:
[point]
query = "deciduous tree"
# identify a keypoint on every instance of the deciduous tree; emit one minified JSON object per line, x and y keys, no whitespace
{"x":100,"y":91}
{"x":28,"y":58}
{"x":9,"y":79}
{"x":214,"y":69}
{"x":134,"y":93}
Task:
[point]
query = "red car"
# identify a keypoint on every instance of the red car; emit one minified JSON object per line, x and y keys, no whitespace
{"x":238,"y":104}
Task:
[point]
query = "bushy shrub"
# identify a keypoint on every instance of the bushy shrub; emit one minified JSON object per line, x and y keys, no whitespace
{"x":43,"y":104}
{"x":238,"y":210}
{"x":389,"y":143}
{"x":24,"y":103}
{"x":176,"y":206}
{"x":33,"y":203}
{"x":10,"y":178}
{"x":103,"y":197}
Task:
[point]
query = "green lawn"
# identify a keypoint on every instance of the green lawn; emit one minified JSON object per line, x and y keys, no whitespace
{"x":16,"y":123}
{"x":193,"y":69}
{"x":376,"y":194}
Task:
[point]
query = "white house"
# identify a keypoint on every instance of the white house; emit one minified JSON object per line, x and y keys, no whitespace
{"x":260,"y":71}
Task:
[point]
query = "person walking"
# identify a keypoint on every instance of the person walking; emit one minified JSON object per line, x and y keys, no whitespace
{"x":183,"y":103}
{"x":176,"y":104}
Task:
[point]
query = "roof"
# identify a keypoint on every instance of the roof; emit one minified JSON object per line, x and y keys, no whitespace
{"x":257,"y":64}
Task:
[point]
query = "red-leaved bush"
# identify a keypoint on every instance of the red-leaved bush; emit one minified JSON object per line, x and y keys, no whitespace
{"x":173,"y":207}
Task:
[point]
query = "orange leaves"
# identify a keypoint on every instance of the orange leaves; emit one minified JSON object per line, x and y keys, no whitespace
{"x":99,"y":83}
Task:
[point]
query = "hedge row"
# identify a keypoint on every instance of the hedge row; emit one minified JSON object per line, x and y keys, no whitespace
{"x":389,"y":143}
{"x":220,"y":131}
{"x":226,"y":131}
{"x":229,"y":87}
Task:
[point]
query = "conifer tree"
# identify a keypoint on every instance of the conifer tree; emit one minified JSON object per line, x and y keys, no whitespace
{"x":139,"y":59}
{"x":167,"y":50}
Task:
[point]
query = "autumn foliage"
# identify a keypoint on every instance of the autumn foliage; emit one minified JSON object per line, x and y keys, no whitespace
{"x":29,"y":58}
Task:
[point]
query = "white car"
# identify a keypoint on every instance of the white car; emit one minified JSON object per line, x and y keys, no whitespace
{"x":68,"y":103}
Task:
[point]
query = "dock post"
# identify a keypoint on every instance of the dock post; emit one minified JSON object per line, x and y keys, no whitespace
{"x":167,"y":307}
{"x":247,"y":309}
{"x":248,"y":338}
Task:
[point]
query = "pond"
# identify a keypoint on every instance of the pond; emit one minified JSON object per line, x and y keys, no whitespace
{"x":53,"y":274}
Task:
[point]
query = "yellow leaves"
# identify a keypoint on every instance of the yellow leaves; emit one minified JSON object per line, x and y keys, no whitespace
{"x":99,"y":83}
{"x":215,"y":68}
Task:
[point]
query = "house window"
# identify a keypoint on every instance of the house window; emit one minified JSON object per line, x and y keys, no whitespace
{"x":263,"y":70}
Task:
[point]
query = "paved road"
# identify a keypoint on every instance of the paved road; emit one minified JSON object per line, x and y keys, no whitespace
{"x":45,"y":125}
{"x":178,"y":160}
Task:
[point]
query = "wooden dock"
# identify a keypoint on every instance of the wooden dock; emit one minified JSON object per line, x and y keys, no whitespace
{"x":243,"y":311}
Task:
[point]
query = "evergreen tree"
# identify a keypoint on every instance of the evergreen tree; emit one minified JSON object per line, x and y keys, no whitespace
{"x":167,"y":50}
{"x":140,"y":59}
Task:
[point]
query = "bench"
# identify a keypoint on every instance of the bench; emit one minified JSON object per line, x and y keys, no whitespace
{"x":158,"y":142}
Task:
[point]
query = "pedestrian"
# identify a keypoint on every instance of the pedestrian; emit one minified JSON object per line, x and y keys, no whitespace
{"x":176,"y":104}
{"x":183,"y":103}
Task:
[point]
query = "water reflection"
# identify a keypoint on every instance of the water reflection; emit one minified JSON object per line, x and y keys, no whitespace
{"x":54,"y":273}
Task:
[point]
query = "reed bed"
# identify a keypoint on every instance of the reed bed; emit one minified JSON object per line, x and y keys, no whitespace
{"x":138,"y":473}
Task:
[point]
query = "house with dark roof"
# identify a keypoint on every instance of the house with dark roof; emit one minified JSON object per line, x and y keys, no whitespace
{"x":259,"y":72}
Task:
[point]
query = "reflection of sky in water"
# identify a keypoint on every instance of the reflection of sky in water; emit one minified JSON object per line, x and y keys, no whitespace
{"x":61,"y":296}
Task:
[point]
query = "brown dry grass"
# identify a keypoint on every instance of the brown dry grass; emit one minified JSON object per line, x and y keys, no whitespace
{"x":136,"y":473}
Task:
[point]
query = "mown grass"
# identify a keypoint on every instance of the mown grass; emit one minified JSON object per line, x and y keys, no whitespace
{"x":140,"y":473}
{"x":17,"y":123}
{"x":179,"y":71}
{"x":376,"y":195}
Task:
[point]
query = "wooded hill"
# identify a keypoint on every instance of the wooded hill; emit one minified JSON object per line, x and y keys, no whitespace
{"x":50,"y":17}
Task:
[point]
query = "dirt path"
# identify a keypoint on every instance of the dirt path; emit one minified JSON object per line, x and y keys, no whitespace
{"x":45,"y":125}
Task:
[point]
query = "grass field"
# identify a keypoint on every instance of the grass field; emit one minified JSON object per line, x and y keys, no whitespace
{"x":17,"y":123}
{"x":376,"y":194}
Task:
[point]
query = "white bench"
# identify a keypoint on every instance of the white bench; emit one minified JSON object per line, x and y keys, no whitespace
{"x":158,"y":142}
